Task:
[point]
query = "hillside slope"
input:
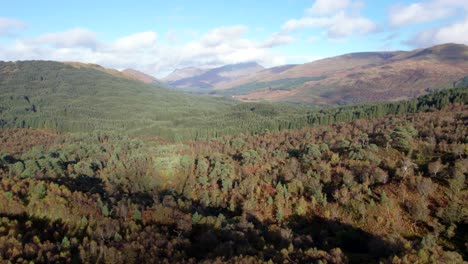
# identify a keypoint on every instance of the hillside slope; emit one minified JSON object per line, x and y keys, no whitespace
{"x":359,"y":77}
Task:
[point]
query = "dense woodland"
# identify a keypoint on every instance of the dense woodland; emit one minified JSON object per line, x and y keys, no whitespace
{"x":165,"y":177}
{"x":391,"y":189}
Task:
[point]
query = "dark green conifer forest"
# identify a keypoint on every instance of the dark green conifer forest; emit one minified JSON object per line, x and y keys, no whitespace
{"x":99,"y":169}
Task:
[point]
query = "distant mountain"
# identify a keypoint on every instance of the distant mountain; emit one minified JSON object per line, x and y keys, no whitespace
{"x":139,"y":76}
{"x":216,"y":77}
{"x":356,"y":77}
{"x":183,"y":73}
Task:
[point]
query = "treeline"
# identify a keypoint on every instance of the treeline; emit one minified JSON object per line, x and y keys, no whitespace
{"x":301,"y":195}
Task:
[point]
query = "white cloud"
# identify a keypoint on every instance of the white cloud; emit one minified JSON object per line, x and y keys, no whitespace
{"x":222,"y":45}
{"x":339,"y":25}
{"x":172,"y":37}
{"x":8,"y":26}
{"x":457,"y":33}
{"x":277,"y":39}
{"x":421,"y":12}
{"x":136,"y":41}
{"x":326,"y":7}
{"x":143,"y":52}
{"x":306,"y":22}
{"x":219,"y":35}
{"x":77,"y":37}
{"x":343,"y":25}
{"x":416,"y":13}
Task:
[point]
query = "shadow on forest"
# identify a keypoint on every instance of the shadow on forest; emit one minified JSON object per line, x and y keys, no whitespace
{"x":357,"y":244}
{"x":246,"y":235}
{"x":238,"y":235}
{"x":263,"y":240}
{"x":81,"y":183}
{"x":33,"y":228}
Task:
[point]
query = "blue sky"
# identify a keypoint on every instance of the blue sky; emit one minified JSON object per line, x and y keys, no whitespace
{"x":158,"y":36}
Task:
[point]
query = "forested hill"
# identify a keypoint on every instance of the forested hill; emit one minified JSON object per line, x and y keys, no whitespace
{"x":53,"y":95}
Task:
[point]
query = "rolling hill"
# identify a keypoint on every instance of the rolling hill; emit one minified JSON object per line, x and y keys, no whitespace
{"x":356,"y":77}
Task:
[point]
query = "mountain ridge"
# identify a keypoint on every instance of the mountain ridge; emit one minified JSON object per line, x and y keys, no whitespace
{"x":358,"y":77}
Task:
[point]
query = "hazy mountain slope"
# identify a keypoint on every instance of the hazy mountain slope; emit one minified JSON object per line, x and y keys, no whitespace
{"x":183,"y":73}
{"x":362,"y":77}
{"x":217,"y":76}
{"x":264,"y":75}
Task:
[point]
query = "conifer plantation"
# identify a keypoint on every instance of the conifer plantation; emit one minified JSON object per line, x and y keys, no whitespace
{"x":97,"y":168}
